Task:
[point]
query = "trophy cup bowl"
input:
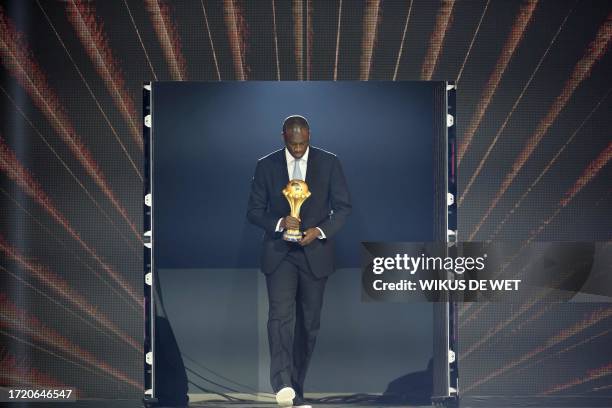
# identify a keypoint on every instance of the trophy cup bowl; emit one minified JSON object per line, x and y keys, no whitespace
{"x":296,"y":192}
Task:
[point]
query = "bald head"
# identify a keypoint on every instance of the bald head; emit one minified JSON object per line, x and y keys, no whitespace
{"x":296,"y":134}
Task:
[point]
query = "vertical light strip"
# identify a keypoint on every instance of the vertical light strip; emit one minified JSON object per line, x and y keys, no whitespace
{"x":370,"y":25}
{"x":210,"y":40}
{"x":437,"y":39}
{"x":234,"y":38}
{"x":338,"y":41}
{"x":401,"y":48}
{"x":298,"y":33}
{"x":278,"y":74}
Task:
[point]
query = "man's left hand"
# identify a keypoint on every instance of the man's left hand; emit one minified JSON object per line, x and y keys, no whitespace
{"x":309,"y":235}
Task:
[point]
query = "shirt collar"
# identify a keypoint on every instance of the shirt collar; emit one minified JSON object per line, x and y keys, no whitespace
{"x":291,"y":159}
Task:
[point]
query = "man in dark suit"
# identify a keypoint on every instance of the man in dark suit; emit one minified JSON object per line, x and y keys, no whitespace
{"x":296,"y":272}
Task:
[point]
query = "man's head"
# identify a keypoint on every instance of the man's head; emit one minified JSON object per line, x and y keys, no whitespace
{"x":296,"y":134}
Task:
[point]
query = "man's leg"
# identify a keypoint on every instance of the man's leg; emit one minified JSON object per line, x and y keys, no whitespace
{"x":307,"y":322}
{"x":282,"y":287}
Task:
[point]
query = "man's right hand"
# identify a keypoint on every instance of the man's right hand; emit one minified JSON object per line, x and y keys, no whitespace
{"x":290,"y":222}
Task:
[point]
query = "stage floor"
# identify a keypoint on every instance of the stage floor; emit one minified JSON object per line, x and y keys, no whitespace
{"x":499,"y":403}
{"x":207,"y":404}
{"x":338,"y":405}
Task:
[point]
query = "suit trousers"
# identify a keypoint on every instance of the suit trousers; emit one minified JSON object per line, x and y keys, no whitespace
{"x":295,"y":298}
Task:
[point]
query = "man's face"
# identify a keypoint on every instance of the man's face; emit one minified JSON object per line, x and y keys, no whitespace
{"x":297,"y":139}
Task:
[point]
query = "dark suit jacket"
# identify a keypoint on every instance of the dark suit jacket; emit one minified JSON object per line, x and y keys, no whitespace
{"x":326,"y":208}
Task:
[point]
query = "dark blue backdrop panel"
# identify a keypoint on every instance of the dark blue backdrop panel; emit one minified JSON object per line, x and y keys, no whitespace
{"x":209,"y":135}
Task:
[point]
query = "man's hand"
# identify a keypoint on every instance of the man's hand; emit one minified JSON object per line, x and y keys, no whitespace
{"x":309,"y":235}
{"x":290,"y":222}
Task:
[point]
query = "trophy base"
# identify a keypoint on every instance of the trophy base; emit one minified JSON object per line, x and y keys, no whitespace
{"x":292,"y":235}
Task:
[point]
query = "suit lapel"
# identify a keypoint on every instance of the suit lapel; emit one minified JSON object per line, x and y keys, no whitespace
{"x":310,"y":168}
{"x":283,"y":178}
{"x":283,"y":164}
{"x":311,"y":175}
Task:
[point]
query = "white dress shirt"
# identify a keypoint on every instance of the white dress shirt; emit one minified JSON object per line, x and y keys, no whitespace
{"x":303,"y":163}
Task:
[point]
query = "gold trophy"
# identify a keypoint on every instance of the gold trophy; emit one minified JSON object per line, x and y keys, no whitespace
{"x":296,"y":193}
